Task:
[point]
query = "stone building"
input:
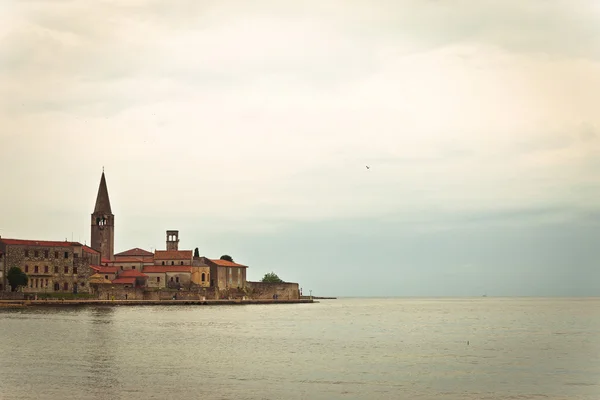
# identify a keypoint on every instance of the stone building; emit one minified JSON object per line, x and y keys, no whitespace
{"x":51,"y":266}
{"x":225,"y":274}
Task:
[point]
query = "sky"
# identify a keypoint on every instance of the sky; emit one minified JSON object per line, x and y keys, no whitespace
{"x":248,"y":127}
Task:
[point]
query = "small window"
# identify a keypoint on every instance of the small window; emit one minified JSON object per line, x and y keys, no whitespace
{"x":36,"y":282}
{"x":36,"y":253}
{"x":158,"y":279}
{"x":121,"y":268}
{"x":46,"y":282}
{"x":163,"y":263}
{"x":105,"y":276}
{"x":46,"y":253}
{"x":172,"y":262}
{"x":171,"y":279}
{"x":66,"y":254}
{"x":45,"y":269}
{"x":181,"y":263}
{"x":74,"y":270}
{"x":66,"y":286}
{"x":56,"y":271}
{"x":177,"y":279}
{"x":133,"y":267}
{"x":36,"y":269}
{"x":27,"y":268}
{"x":26,"y":253}
{"x":203,"y":277}
{"x":82,"y":284}
{"x":56,"y":254}
{"x":66,"y":270}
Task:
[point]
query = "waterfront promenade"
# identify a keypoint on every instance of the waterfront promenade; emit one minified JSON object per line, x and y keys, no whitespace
{"x":96,"y":302}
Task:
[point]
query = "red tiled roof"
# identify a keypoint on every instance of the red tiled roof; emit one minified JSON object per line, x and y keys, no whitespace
{"x":225,"y":263}
{"x":106,"y":260}
{"x":46,"y":243}
{"x":173,"y":254}
{"x":132,"y":260}
{"x":89,"y":250}
{"x":134,"y":252}
{"x":104,"y":270}
{"x":130,"y":281}
{"x":133,"y":273}
{"x":167,"y":268}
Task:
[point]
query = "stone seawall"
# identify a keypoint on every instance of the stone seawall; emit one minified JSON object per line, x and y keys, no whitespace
{"x":283,"y":291}
{"x":66,"y":303}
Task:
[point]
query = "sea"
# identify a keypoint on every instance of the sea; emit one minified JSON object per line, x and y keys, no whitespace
{"x":349,"y":348}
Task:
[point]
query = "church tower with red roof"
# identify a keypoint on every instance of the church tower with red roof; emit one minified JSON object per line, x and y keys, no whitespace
{"x":103,"y":223}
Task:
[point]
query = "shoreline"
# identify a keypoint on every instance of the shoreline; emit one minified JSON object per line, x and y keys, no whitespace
{"x":94,"y":302}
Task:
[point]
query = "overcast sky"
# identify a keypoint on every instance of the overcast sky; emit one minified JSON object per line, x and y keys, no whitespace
{"x":247,"y":125}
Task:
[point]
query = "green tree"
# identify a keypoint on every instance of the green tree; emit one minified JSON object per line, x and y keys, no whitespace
{"x":16,"y":278}
{"x":226,"y":258}
{"x":272,"y":277}
{"x":196,"y":252}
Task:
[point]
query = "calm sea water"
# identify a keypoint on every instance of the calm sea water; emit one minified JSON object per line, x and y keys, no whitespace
{"x":523,"y":348}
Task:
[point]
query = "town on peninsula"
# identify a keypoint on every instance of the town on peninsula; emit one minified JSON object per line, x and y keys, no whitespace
{"x":75,"y":273}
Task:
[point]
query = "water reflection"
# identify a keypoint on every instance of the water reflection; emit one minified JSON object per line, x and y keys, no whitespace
{"x":100,"y":354}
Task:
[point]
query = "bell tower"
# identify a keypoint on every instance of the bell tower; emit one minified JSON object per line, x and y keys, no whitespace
{"x":172,"y":240}
{"x":103,"y":223}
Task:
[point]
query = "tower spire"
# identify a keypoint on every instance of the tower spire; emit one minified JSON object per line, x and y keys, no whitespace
{"x":102,"y":200}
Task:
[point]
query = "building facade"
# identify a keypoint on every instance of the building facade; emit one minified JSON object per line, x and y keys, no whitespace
{"x":49,"y":265}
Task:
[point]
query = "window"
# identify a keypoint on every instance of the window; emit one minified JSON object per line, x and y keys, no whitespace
{"x":75,"y":255}
{"x":171,"y":279}
{"x":181,"y":263}
{"x":56,"y":270}
{"x":45,"y":269}
{"x":46,"y":253}
{"x":105,"y":276}
{"x":46,"y":282}
{"x":35,"y":281}
{"x":36,"y":269}
{"x":163,"y":263}
{"x":36,"y":253}
{"x":66,"y":286}
{"x":56,"y":254}
{"x":66,"y":254}
{"x":121,"y":268}
{"x":203,"y":277}
{"x":56,"y":287}
{"x":172,"y":262}
{"x":27,"y":268}
{"x":177,"y":279}
{"x":66,"y":270}
{"x":26,"y":253}
{"x":82,"y":284}
{"x":74,"y":270}
{"x":158,"y":279}
{"x":133,"y":267}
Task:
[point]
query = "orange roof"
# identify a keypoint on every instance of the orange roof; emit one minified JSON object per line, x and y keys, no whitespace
{"x":130,"y":281}
{"x":132,"y":259}
{"x":225,"y":263}
{"x":46,"y":243}
{"x":89,"y":250}
{"x":167,"y":268}
{"x":173,"y":254}
{"x":104,"y":270}
{"x":134,"y":252}
{"x":106,"y":260}
{"x":132,"y":273}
